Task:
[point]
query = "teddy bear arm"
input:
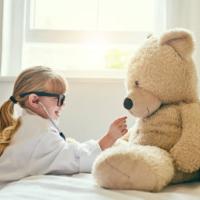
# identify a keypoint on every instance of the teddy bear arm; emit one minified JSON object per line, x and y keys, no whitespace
{"x":186,"y":152}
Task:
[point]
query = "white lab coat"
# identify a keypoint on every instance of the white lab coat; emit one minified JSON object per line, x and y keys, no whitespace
{"x":37,"y":148}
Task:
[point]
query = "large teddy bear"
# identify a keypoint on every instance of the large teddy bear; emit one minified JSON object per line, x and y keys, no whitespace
{"x":163,"y":147}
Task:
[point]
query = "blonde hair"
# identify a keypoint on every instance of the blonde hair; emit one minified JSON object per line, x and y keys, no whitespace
{"x":37,"y":78}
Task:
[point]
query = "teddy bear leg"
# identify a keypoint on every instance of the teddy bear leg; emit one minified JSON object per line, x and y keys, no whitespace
{"x":138,"y":167}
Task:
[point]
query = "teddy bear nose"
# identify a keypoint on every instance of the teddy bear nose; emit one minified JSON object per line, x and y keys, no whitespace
{"x":128,"y":103}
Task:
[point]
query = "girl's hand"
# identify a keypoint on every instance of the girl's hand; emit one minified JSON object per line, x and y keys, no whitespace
{"x":117,"y":129}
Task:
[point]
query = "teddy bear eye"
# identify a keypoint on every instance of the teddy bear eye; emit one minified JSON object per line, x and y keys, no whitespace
{"x":137,"y":83}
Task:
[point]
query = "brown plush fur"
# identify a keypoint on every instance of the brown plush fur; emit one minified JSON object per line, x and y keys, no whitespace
{"x":164,"y":145}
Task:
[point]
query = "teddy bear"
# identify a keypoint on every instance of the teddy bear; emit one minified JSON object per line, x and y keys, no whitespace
{"x":163,"y":146}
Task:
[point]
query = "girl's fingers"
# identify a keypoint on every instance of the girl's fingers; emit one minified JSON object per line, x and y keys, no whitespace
{"x":122,"y":124}
{"x":122,"y":127}
{"x":124,"y":131}
{"x":121,"y":119}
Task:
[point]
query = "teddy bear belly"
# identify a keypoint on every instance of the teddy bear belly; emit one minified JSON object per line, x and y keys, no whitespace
{"x":163,"y":138}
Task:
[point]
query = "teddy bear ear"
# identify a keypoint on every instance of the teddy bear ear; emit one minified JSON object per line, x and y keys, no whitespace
{"x":180,"y":39}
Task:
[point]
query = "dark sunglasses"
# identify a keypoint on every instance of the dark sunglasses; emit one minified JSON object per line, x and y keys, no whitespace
{"x":60,"y":97}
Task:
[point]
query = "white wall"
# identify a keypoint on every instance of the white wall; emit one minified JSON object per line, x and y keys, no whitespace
{"x":185,"y":14}
{"x":1,"y":24}
{"x":90,"y":107}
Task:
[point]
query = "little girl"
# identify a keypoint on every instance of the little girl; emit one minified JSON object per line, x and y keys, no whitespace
{"x":32,"y":144}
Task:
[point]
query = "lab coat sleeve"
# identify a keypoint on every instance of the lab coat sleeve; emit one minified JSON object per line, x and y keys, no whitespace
{"x":53,"y":155}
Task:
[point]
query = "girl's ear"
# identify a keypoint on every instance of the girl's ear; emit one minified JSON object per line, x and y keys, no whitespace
{"x":33,"y":100}
{"x":180,"y":39}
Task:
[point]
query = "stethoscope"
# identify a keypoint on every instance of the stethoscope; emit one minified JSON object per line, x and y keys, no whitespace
{"x":51,"y":120}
